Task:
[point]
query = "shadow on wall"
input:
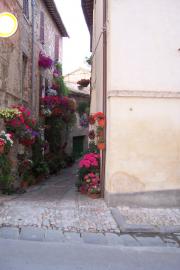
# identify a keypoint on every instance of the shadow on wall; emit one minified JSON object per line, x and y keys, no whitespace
{"x":155,"y":199}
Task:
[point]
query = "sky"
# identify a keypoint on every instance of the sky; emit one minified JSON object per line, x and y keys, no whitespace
{"x":77,"y":46}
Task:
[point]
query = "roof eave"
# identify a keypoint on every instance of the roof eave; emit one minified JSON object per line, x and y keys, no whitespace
{"x":51,"y":6}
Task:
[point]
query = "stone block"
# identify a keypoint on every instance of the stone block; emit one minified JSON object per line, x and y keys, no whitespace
{"x":94,"y":238}
{"x":148,"y":241}
{"x":54,"y":236}
{"x":170,"y":241}
{"x":32,"y":234}
{"x":72,"y":237}
{"x":9,"y":233}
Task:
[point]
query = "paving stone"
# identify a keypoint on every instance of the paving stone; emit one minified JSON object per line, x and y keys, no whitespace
{"x":133,"y":228}
{"x":9,"y":233}
{"x":127,"y":240}
{"x":54,"y":236}
{"x":94,"y":238}
{"x":72,"y":237}
{"x":170,"y":229}
{"x":150,"y":241}
{"x":170,"y":241}
{"x":34,"y":234}
{"x":177,"y":235}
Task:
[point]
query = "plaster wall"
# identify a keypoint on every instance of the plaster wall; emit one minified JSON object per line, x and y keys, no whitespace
{"x":143,"y":151}
{"x":143,"y":123}
{"x":97,"y":64}
{"x":144,"y":41}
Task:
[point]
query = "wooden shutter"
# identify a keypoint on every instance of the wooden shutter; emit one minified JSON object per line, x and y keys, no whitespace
{"x":57,"y":38}
{"x":42,"y":27}
{"x":26,"y":8}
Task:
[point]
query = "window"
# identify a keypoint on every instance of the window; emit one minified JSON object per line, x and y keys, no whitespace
{"x":56,"y":47}
{"x":26,"y":8}
{"x":24,"y":76}
{"x":42,"y":27}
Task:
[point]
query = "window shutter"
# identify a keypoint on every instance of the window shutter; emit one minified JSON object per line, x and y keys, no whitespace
{"x":42,"y":27}
{"x":57,"y":38}
{"x":26,"y":8}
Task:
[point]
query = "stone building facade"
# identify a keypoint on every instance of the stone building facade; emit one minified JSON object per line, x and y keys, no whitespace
{"x":40,"y":28}
{"x":78,"y":135}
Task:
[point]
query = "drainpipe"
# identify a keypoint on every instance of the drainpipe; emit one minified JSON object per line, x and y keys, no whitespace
{"x":33,"y":58}
{"x":103,"y":165}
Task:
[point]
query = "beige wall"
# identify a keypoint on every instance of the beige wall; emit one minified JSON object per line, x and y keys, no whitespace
{"x":143,"y":100}
{"x":143,"y":144}
{"x":144,"y":41}
{"x":97,"y":64}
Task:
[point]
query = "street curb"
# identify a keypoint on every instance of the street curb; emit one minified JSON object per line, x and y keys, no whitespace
{"x":141,"y":228}
{"x":105,"y":239}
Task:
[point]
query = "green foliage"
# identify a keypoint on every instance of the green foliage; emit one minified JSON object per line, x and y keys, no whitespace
{"x":83,"y":107}
{"x":5,"y":173}
{"x":40,"y":168}
{"x":63,"y":89}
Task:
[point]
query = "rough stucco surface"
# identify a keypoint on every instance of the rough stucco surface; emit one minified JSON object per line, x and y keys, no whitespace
{"x":143,"y":146}
{"x":12,"y":49}
{"x":143,"y":44}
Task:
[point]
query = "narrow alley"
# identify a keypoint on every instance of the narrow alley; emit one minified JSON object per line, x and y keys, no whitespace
{"x":56,"y":204}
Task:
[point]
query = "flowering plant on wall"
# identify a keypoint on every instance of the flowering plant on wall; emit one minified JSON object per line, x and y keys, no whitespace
{"x":84,"y":122}
{"x":6,"y":142}
{"x":89,"y":180}
{"x":45,"y":61}
{"x":22,"y":126}
{"x":97,"y":123}
{"x":59,"y":106}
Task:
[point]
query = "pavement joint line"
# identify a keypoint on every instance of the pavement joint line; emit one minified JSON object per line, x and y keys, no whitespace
{"x":125,"y":227}
{"x":167,"y":239}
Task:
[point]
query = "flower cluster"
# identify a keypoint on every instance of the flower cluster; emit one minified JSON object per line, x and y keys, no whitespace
{"x":89,"y":160}
{"x":58,"y":106}
{"x":97,"y":120}
{"x":89,"y":180}
{"x":9,"y":113}
{"x":91,"y":183}
{"x":84,"y":122}
{"x":6,"y":142}
{"x":45,"y":61}
{"x":23,"y":126}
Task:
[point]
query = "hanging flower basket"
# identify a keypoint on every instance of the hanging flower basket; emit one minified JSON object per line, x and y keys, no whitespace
{"x":27,"y":142}
{"x":83,"y":82}
{"x":45,"y":61}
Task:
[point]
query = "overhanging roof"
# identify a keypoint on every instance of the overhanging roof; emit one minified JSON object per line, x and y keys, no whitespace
{"x":87,"y":7}
{"x":51,"y":6}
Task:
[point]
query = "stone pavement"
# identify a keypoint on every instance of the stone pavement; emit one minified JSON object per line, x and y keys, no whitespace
{"x":56,"y":204}
{"x":55,"y":211}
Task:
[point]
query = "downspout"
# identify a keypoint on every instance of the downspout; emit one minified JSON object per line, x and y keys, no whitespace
{"x":103,"y":166}
{"x":33,"y":58}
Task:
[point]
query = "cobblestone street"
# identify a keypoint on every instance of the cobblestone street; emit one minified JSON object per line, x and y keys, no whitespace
{"x":56,"y":204}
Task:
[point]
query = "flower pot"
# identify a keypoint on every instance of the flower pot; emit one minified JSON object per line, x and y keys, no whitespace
{"x":101,"y":146}
{"x":94,"y":195}
{"x":24,"y":184}
{"x":1,"y":149}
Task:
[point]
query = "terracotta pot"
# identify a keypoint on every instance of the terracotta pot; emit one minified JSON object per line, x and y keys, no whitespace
{"x":1,"y":149}
{"x":94,"y":195}
{"x":24,"y":184}
{"x":101,"y":146}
